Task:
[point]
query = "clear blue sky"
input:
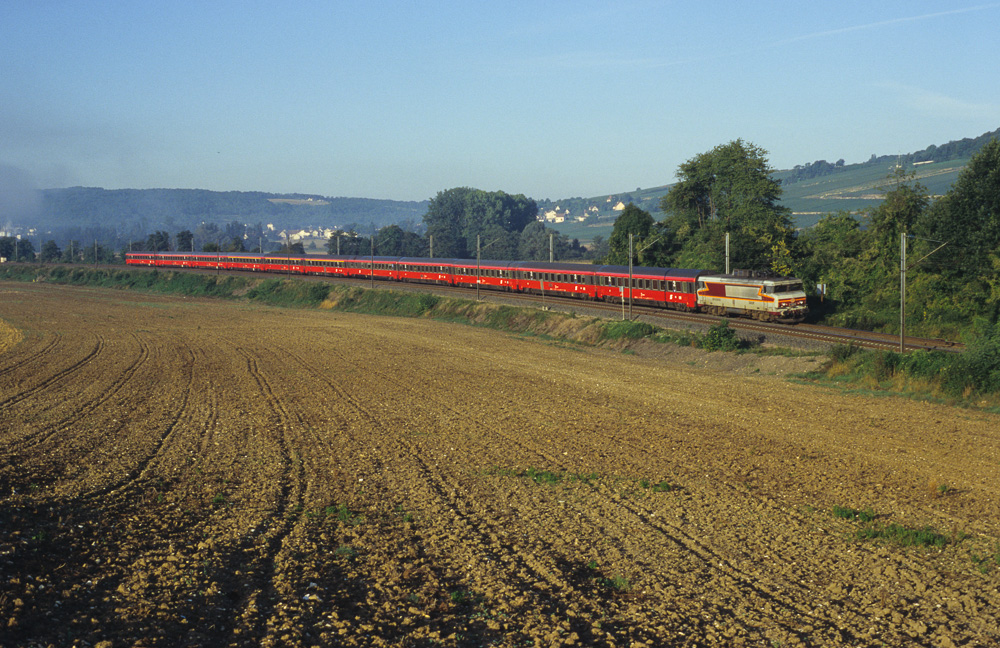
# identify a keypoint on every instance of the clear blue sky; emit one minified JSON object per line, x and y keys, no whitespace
{"x":404,"y":99}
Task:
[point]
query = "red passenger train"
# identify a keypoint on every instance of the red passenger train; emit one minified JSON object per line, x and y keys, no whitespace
{"x":680,"y":289}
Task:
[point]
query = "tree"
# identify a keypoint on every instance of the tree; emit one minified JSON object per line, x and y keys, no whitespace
{"x":207,"y":233}
{"x":97,"y":254}
{"x":72,"y":252}
{"x":25,"y":250}
{"x":235,"y":244}
{"x":904,"y":203}
{"x":351,"y":244}
{"x":50,"y":252}
{"x":159,"y":241}
{"x":7,"y":247}
{"x":598,"y":249}
{"x":456,"y":216}
{"x":830,"y":253}
{"x":729,"y":189}
{"x":389,"y":241}
{"x":634,"y":221}
{"x":185,"y":241}
{"x":968,"y":217}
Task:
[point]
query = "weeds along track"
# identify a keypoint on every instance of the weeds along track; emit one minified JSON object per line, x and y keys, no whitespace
{"x":216,"y":474}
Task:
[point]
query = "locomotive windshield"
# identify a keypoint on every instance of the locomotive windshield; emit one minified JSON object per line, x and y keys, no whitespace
{"x":780,"y":288}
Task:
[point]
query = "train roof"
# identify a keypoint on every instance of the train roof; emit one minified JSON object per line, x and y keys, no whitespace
{"x":745,"y":277}
{"x":673,"y":274}
{"x":561,"y":267}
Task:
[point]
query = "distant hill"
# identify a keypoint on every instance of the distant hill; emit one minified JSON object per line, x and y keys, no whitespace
{"x":810,"y":190}
{"x":136,"y":212}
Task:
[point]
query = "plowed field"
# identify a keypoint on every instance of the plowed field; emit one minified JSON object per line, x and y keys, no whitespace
{"x":194,"y":473}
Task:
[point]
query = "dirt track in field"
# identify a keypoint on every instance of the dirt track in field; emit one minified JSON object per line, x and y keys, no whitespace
{"x":194,"y":473}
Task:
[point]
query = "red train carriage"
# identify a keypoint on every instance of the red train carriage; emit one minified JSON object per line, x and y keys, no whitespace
{"x":670,"y":287}
{"x":489,"y":274}
{"x":563,"y":279}
{"x":422,"y":270}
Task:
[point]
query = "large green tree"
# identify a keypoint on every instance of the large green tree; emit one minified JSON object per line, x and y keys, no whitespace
{"x":50,"y":252}
{"x":535,"y":240}
{"x":185,"y":241}
{"x":456,"y":216}
{"x":728,"y":189}
{"x":158,"y":241}
{"x":903,"y":206}
{"x":393,"y":240}
{"x":632,"y":221}
{"x":968,"y":217}
{"x":14,"y":248}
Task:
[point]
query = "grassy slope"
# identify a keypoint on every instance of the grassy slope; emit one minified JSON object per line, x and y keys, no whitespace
{"x":854,"y":189}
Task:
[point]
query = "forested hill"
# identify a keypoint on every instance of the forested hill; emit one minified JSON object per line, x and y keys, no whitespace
{"x":961,"y":149}
{"x":146,"y":210}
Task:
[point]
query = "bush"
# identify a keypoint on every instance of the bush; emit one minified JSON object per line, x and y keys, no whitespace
{"x":627,"y":329}
{"x":721,"y":338}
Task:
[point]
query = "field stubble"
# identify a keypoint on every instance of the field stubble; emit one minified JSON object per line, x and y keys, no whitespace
{"x":187,"y":471}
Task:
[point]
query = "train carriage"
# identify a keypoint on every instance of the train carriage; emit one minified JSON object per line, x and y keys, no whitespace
{"x":563,"y":279}
{"x":670,"y":287}
{"x":489,"y":274}
{"x":423,"y":270}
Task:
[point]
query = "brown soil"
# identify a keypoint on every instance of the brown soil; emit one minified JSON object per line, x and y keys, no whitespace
{"x":194,"y":473}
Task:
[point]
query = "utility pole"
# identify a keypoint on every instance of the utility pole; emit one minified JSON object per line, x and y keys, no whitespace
{"x":372,"y":273}
{"x":552,"y":256}
{"x":431,"y":237}
{"x":630,"y":276}
{"x":479,"y":272}
{"x":727,"y":252}
{"x":902,"y":292}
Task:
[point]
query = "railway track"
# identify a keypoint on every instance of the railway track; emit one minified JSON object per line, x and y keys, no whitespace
{"x":812,"y":334}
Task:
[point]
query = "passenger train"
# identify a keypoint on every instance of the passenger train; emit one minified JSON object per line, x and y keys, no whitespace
{"x":745,"y":294}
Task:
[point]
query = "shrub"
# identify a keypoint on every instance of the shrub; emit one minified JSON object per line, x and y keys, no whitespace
{"x":721,"y":338}
{"x":627,"y":329}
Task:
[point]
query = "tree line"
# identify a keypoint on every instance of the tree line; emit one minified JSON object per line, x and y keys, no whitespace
{"x":953,"y":287}
{"x":730,"y":189}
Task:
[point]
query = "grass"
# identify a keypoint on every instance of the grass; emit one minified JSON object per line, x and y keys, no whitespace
{"x":346,"y":551}
{"x":987,"y":562}
{"x":867,"y":515}
{"x":893,"y":533}
{"x":542,"y":476}
{"x":969,"y":379}
{"x":547,"y":477}
{"x":618,"y":582}
{"x":659,"y":487}
{"x":903,"y":536}
{"x":342,"y":514}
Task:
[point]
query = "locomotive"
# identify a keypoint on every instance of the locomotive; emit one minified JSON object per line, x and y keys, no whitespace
{"x":744,"y":294}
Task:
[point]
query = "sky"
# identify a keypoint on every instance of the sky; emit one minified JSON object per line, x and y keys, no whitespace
{"x":403,"y":99}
